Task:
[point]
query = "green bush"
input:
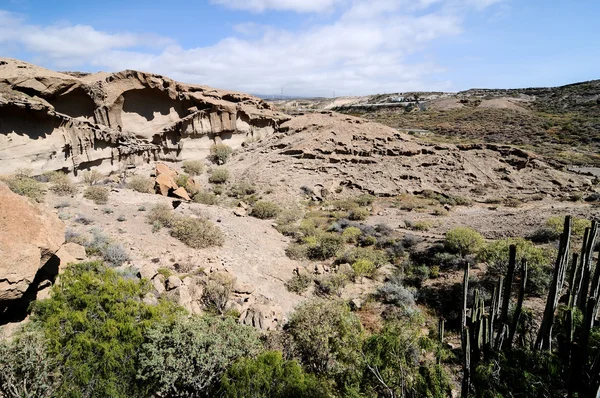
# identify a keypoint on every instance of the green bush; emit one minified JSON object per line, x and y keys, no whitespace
{"x":220,"y":175}
{"x":359,"y":214}
{"x":26,"y":186}
{"x":91,"y":177}
{"x":363,"y":267}
{"x":396,"y":353}
{"x":162,"y":214}
{"x":421,"y":226}
{"x":182,"y":180}
{"x":219,"y":153}
{"x":241,"y":190}
{"x":188,"y":356}
{"x":193,"y":167}
{"x":26,"y":368}
{"x":270,"y":376}
{"x":327,"y":339}
{"x":331,"y":285}
{"x":197,"y":233}
{"x":265,"y":210}
{"x":579,"y":225}
{"x":539,"y":261}
{"x":141,"y":184}
{"x":217,"y":291}
{"x":98,"y":195}
{"x":299,"y":283}
{"x":377,"y":257}
{"x":323,"y":246}
{"x":205,"y":198}
{"x":463,"y":240}
{"x":351,"y":234}
{"x":296,"y":251}
{"x":62,"y":184}
{"x":94,"y":322}
{"x":365,"y":200}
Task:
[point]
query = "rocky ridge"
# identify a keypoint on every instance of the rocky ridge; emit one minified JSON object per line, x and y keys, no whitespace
{"x":72,"y":122}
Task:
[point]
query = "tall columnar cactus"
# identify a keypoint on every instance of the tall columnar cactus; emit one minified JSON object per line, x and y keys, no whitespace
{"x":573,"y":276}
{"x":519,"y":308}
{"x":544,"y":338}
{"x":466,"y":383}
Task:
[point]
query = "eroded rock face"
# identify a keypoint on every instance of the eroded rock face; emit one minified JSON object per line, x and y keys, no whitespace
{"x":71,"y":122}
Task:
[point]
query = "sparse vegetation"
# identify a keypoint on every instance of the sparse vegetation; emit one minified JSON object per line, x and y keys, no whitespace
{"x":265,"y":210}
{"x":193,"y":167}
{"x":464,"y":240}
{"x":141,"y":184}
{"x":62,"y":184}
{"x":220,"y":153}
{"x":197,"y":233}
{"x":205,"y":198}
{"x":298,"y":283}
{"x":26,"y":186}
{"x":220,"y":175}
{"x":98,"y":195}
{"x":161,"y":213}
{"x":91,"y":177}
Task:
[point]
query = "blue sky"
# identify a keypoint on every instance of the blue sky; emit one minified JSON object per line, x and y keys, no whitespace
{"x":315,"y":47}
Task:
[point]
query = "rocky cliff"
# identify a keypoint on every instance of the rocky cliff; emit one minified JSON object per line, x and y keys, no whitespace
{"x":75,"y":121}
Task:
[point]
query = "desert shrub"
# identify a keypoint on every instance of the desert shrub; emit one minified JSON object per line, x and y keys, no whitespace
{"x":265,"y":210}
{"x":182,"y":180}
{"x":217,"y":291}
{"x":83,"y":219}
{"x":205,"y":198}
{"x":141,"y":184}
{"x":289,"y":216}
{"x":396,"y":353}
{"x":98,"y":243}
{"x":26,"y":186}
{"x":94,"y":322}
{"x":331,"y":285}
{"x":75,"y":237}
{"x":416,"y":274}
{"x":327,"y":338}
{"x":91,"y":177}
{"x":197,"y":233}
{"x":193,"y":167}
{"x":539,"y":261}
{"x":270,"y":376}
{"x":161,"y":213}
{"x":306,"y":190}
{"x":296,"y":251}
{"x":98,"y":195}
{"x":62,"y":184}
{"x":218,"y":190}
{"x":578,"y":227}
{"x":241,"y":190}
{"x":26,"y":368}
{"x":363,"y":267}
{"x":421,"y":226}
{"x":364,"y":200}
{"x":463,"y":240}
{"x":351,"y":234}
{"x":220,"y":175}
{"x":115,"y":254}
{"x":544,"y":235}
{"x":394,"y":292}
{"x":220,"y":153}
{"x":204,"y":348}
{"x":359,"y":214}
{"x":323,"y":246}
{"x":377,"y":257}
{"x":299,"y":283}
{"x":107,"y":210}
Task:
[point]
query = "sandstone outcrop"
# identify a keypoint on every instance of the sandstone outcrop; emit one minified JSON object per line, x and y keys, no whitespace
{"x":72,"y":122}
{"x":330,"y":152}
{"x":30,"y":239}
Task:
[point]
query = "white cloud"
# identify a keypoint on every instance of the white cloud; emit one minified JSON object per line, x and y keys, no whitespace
{"x":370,"y":48}
{"x":281,"y":5}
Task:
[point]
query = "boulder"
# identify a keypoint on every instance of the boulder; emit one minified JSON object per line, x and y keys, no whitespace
{"x":261,"y":317}
{"x":164,"y":184}
{"x":173,"y":282}
{"x":30,"y":237}
{"x":182,"y":194}
{"x":159,"y":284}
{"x":71,"y":253}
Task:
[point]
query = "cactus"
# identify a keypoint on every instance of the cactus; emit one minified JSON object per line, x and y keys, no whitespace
{"x":519,"y":308}
{"x":573,"y":276}
{"x":464,"y":393}
{"x":465,"y":296}
{"x":544,"y":338}
{"x":512,"y":261}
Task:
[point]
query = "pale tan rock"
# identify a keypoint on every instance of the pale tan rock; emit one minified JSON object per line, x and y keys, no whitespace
{"x":182,"y":194}
{"x":159,"y":284}
{"x":173,"y":282}
{"x":30,"y":235}
{"x":164,"y":184}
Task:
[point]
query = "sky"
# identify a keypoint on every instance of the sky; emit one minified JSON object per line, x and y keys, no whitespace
{"x":314,"y":47}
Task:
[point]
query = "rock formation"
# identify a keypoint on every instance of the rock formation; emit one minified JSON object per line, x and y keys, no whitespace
{"x":30,"y":237}
{"x":76,"y":121}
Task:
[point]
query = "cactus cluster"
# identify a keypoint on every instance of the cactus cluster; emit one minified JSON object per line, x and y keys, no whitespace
{"x":486,"y":331}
